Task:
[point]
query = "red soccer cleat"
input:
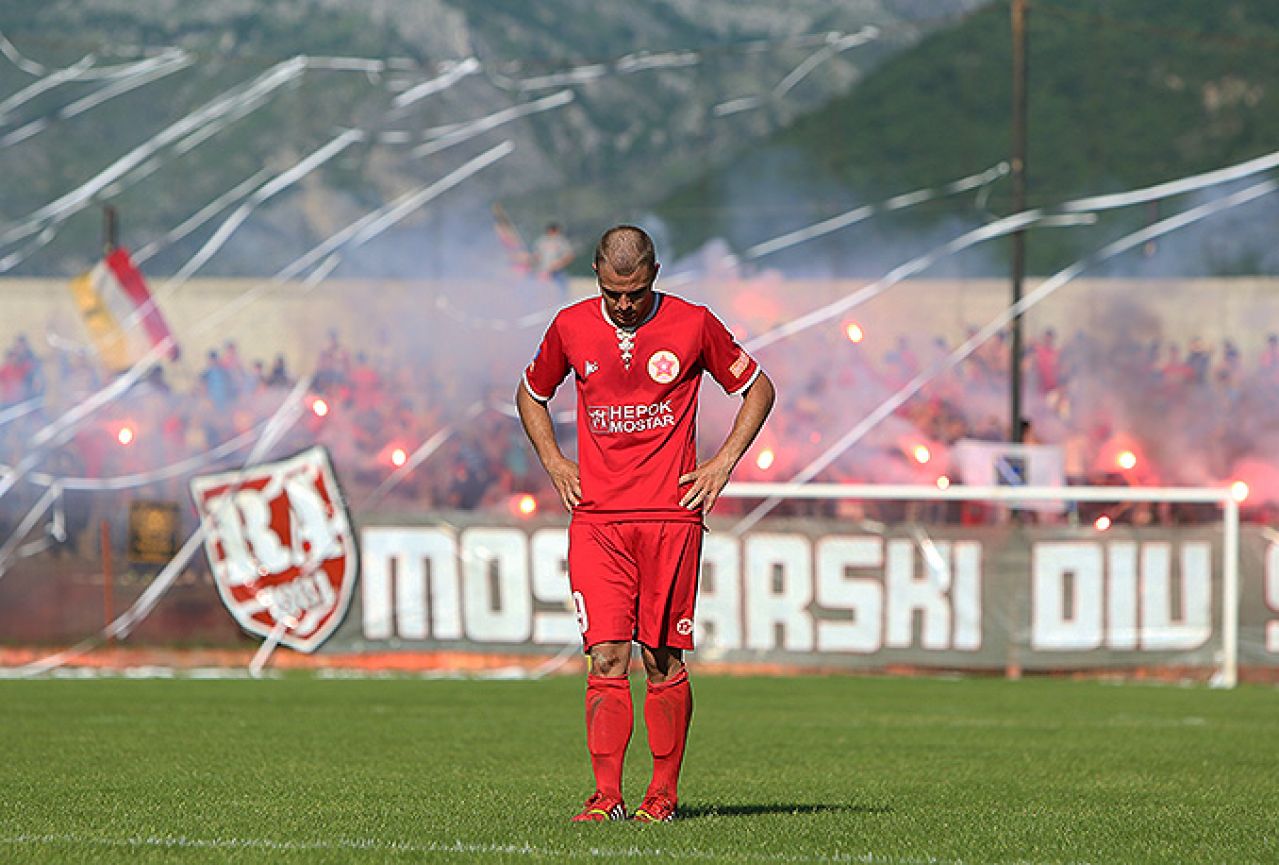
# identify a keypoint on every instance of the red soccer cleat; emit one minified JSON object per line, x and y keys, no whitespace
{"x":600,"y":808}
{"x":655,"y":809}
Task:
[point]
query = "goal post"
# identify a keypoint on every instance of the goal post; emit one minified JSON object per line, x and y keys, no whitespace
{"x":1227,"y":499}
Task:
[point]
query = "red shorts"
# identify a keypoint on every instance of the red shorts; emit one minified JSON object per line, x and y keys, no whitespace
{"x":635,"y":581}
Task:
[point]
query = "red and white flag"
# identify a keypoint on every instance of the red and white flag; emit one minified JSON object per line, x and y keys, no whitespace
{"x":119,"y":312}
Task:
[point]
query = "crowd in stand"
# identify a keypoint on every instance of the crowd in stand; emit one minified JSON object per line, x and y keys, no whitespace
{"x":1193,"y":416}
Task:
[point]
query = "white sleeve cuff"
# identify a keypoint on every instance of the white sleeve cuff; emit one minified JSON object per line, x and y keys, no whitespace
{"x":537,"y":396}
{"x":750,"y":381}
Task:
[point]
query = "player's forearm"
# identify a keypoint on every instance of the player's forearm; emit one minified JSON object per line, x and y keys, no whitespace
{"x":538,"y":426}
{"x":757,"y":402}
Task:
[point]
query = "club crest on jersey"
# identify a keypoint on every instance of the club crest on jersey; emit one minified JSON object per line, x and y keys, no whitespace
{"x":281,"y":546}
{"x":663,"y":366}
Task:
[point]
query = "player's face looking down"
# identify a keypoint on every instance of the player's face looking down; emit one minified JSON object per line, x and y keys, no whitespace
{"x":627,"y":299}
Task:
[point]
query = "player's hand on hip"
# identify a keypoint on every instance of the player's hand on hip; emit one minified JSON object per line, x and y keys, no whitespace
{"x":707,"y":480}
{"x":568,"y":482}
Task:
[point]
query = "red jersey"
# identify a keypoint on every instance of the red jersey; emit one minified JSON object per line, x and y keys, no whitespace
{"x":637,"y":400}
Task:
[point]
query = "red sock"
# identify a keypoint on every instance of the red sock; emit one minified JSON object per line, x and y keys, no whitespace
{"x":609,"y":718}
{"x":668,"y":708}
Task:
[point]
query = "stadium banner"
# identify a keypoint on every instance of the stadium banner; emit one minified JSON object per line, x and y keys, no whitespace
{"x":816,"y":593}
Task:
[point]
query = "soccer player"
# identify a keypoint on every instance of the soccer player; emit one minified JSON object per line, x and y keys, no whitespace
{"x":638,"y":496}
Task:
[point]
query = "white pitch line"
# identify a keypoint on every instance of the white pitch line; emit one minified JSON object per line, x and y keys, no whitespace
{"x":464,"y":847}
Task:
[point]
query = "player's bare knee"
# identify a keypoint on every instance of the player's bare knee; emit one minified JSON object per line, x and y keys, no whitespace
{"x":661,"y":664}
{"x":610,"y":659}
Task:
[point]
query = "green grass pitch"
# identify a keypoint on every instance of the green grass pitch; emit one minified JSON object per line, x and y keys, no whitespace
{"x":812,"y":769}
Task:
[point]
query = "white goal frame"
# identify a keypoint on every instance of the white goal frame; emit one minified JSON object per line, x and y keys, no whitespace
{"x":1228,"y":674}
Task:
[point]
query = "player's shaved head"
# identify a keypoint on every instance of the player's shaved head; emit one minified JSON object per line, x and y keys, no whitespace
{"x":626,"y":249}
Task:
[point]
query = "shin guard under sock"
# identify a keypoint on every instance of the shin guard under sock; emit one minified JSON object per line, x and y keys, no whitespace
{"x":668,"y":708}
{"x":609,"y":718}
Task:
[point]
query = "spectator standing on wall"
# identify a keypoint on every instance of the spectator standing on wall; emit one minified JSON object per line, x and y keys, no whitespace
{"x":552,"y":254}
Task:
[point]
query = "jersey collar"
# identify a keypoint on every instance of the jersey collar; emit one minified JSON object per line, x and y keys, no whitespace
{"x":657,"y":301}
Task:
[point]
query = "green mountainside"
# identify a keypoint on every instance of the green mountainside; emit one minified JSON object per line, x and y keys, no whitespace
{"x":632,"y":133}
{"x":1123,"y":93}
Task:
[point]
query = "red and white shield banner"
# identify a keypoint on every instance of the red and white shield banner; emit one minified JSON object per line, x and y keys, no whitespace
{"x":281,"y":546}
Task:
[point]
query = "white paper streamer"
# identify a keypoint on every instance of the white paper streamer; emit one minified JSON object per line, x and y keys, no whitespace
{"x":163,"y":473}
{"x":80,"y":197}
{"x":357,"y":233}
{"x":1001,"y":228}
{"x":13,"y":259}
{"x":834,"y":43}
{"x":1193,"y":183}
{"x":275,"y":427}
{"x":20,"y":409}
{"x":457,"y":133}
{"x":577,"y":75}
{"x":264,"y":193}
{"x":27,"y":524}
{"x":857,"y":214}
{"x":419,"y":456}
{"x":200,"y":217}
{"x":453,"y":73}
{"x":374,"y":223}
{"x":759,"y":250}
{"x":15,"y":57}
{"x":1043,"y":291}
{"x":369,"y":66}
{"x":45,"y":84}
{"x":643,"y":61}
{"x":532,"y":319}
{"x":152,"y":70}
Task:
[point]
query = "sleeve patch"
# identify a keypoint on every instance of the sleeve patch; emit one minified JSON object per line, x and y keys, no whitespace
{"x":739,"y":365}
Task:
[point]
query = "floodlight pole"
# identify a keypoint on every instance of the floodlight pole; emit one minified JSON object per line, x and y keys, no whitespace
{"x":1019,"y":205}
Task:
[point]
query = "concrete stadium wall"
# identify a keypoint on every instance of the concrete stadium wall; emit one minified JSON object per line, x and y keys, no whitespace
{"x":287,"y":319}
